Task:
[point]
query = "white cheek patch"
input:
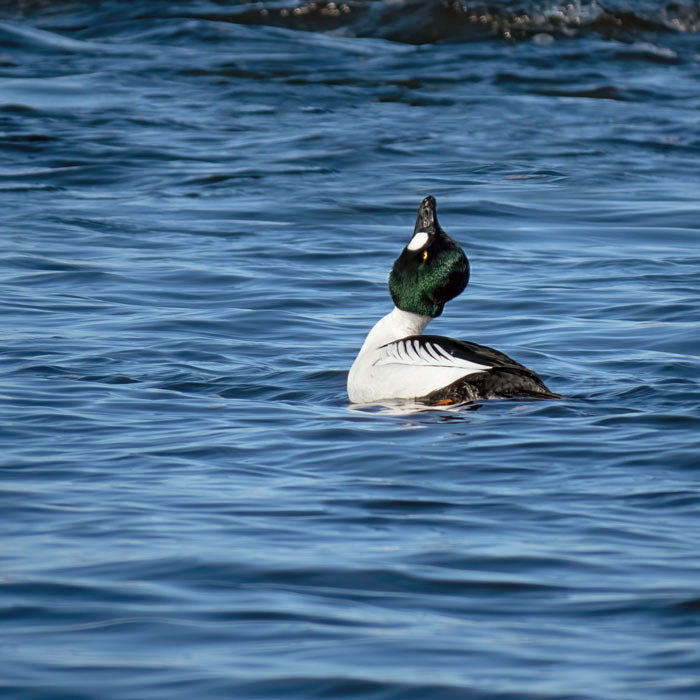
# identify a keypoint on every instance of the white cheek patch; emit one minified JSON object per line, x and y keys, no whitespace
{"x":418,"y":240}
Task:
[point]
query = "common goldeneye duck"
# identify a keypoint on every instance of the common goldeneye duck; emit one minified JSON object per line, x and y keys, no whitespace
{"x":397,"y":362}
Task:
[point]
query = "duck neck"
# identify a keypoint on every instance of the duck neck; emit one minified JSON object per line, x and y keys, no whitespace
{"x":395,"y":325}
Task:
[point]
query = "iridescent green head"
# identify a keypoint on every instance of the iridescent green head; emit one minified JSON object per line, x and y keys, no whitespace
{"x":431,"y":270}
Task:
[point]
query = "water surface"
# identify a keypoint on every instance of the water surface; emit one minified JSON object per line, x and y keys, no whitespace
{"x":201,"y":203}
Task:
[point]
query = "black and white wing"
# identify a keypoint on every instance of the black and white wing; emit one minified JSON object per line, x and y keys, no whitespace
{"x":438,"y":351}
{"x":486,"y":373}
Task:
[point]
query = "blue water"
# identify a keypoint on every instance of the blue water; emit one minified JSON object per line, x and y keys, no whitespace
{"x":201,"y":203}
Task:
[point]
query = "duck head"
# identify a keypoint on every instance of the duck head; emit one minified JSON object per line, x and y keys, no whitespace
{"x":432,"y":268}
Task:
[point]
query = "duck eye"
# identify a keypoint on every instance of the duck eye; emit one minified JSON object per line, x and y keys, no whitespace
{"x":425,"y":255}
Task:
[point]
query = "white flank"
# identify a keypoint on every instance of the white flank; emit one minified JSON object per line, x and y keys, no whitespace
{"x":390,"y":368}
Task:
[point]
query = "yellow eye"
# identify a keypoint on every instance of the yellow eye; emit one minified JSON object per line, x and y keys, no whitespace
{"x":425,"y":255}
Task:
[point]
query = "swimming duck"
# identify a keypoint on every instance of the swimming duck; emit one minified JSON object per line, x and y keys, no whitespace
{"x":397,"y":362}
